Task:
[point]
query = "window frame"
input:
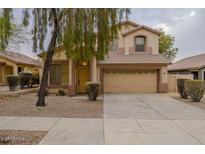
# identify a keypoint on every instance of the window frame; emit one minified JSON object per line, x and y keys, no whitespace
{"x":135,"y":45}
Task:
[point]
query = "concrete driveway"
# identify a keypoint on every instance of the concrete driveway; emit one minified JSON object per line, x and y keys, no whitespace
{"x":128,"y":119}
{"x":151,"y":119}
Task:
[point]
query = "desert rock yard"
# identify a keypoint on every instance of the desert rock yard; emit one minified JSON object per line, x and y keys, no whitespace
{"x":189,"y":101}
{"x":56,"y":106}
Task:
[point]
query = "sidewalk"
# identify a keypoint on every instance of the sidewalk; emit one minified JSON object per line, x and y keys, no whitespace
{"x":60,"y":130}
{"x":5,"y":92}
{"x":128,"y":119}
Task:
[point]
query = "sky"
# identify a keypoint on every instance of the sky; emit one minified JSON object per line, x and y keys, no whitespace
{"x":186,"y":25}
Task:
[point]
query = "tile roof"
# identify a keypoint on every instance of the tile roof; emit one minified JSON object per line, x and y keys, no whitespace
{"x":145,"y":28}
{"x":194,"y":62}
{"x":117,"y":58}
{"x":19,"y":58}
{"x":129,"y":22}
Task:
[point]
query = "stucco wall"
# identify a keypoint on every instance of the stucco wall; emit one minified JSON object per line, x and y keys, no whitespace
{"x":152,"y":41}
{"x":124,"y":28}
{"x":12,"y":68}
{"x":163,"y":74}
{"x":60,"y":55}
{"x":172,"y":80}
{"x":201,"y":74}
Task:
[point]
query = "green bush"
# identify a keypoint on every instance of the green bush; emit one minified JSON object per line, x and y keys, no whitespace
{"x":195,"y":89}
{"x":181,"y":88}
{"x":35,"y":79}
{"x":25,"y":79}
{"x":92,"y":90}
{"x":12,"y":81}
{"x":61,"y":92}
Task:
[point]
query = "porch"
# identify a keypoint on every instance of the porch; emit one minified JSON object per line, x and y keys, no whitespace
{"x":71,"y":75}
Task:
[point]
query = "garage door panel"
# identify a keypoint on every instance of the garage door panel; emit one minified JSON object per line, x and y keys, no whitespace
{"x":144,"y":81}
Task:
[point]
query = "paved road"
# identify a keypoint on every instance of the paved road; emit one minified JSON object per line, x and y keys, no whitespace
{"x":128,"y":119}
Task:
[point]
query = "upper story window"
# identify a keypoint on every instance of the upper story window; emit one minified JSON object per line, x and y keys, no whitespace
{"x":140,"y":44}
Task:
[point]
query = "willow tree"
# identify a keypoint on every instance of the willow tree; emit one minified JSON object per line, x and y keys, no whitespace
{"x":11,"y":33}
{"x":6,"y":27}
{"x":84,"y":33}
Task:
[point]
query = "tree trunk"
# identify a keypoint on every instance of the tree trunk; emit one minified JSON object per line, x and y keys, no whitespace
{"x":48,"y":61}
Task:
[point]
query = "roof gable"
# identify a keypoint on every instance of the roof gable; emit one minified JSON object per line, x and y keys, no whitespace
{"x":128,"y":22}
{"x":142,"y":27}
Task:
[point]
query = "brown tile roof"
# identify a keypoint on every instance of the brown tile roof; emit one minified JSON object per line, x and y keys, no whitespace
{"x":194,"y":62}
{"x":129,"y":22}
{"x":19,"y":58}
{"x":117,"y":58}
{"x":145,"y":28}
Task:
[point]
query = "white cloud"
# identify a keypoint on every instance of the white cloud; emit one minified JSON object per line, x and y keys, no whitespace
{"x":164,"y":26}
{"x":192,"y":13}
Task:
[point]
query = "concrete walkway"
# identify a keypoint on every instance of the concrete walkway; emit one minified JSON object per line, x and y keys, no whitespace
{"x":128,"y":119}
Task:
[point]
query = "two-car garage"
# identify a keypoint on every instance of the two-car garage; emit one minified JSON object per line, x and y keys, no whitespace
{"x":133,"y":73}
{"x":127,"y":81}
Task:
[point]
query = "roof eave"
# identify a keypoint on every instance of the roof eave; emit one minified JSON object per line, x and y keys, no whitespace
{"x":130,"y":63}
{"x":145,"y":28}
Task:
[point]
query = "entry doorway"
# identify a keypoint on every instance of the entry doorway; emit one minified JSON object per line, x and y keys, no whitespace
{"x":82,"y":76}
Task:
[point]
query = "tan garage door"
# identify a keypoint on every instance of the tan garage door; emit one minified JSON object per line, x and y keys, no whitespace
{"x":130,"y":81}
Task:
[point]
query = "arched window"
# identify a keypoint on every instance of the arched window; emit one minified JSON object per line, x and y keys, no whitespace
{"x":140,"y":44}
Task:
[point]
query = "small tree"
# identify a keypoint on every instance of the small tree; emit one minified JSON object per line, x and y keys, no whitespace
{"x":166,"y":45}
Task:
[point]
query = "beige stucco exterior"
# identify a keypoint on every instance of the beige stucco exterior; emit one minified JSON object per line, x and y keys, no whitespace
{"x":8,"y":67}
{"x":156,"y":81}
{"x":126,"y":43}
{"x":172,"y":80}
{"x":152,"y":42}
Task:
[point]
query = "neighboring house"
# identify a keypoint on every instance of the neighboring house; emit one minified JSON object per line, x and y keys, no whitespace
{"x":191,"y":65}
{"x":132,"y":65}
{"x":11,"y":63}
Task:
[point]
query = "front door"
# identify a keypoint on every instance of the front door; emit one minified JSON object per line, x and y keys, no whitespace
{"x":82,"y":78}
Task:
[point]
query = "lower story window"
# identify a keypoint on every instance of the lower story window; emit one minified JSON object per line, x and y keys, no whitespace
{"x":59,"y":74}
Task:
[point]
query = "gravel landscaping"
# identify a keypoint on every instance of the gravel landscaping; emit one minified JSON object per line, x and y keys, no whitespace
{"x":13,"y":137}
{"x":189,"y":101}
{"x":56,"y":106}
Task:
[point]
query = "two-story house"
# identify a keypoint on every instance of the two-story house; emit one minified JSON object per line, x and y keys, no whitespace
{"x":133,"y":64}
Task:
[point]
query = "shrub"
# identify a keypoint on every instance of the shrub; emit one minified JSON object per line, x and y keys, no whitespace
{"x":35,"y":80}
{"x":25,"y":79}
{"x":12,"y":81}
{"x":92,"y":90}
{"x":181,"y":88}
{"x":195,"y":89}
{"x":61,"y":92}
